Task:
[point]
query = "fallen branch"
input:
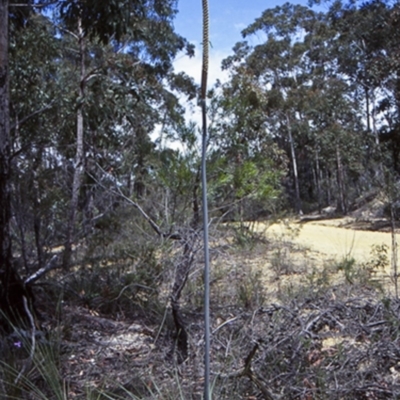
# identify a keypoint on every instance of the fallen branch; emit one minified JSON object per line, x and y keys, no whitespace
{"x":248,"y":372}
{"x":52,"y":264}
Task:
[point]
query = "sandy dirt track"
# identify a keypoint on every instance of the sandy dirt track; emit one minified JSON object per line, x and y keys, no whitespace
{"x":333,"y":241}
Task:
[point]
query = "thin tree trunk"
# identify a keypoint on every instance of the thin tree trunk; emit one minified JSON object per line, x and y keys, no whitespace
{"x":318,"y":177}
{"x":79,"y":156}
{"x":380,"y":171}
{"x":181,"y":277}
{"x":373,"y":120}
{"x":294,"y":162}
{"x":37,"y":226}
{"x":19,"y":216}
{"x":367,"y":108}
{"x":195,"y":201}
{"x":37,"y":218}
{"x":328,"y":187}
{"x":394,"y":250}
{"x":139,"y":186}
{"x":23,"y":242}
{"x":340,"y":181}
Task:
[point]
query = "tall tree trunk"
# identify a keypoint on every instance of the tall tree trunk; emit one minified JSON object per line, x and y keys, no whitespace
{"x":318,"y":177}
{"x":37,"y":218}
{"x":328,"y":187}
{"x":394,"y":249}
{"x":79,"y":156}
{"x":181,"y":276}
{"x":340,"y":180}
{"x":195,"y":201}
{"x":141,"y":147}
{"x":12,"y":289}
{"x":294,"y":163}
{"x":5,"y":190}
{"x":379,"y":172}
{"x":373,"y":120}
{"x":368,"y":115}
{"x":19,"y":216}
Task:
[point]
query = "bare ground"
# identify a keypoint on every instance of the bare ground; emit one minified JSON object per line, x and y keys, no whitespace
{"x":281,"y":328}
{"x":335,"y":238}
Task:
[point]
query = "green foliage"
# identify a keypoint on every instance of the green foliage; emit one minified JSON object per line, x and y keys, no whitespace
{"x":379,"y":259}
{"x":302,"y":89}
{"x":320,"y":278}
{"x":31,"y":377}
{"x":127,"y":93}
{"x":348,"y":266}
{"x":315,"y":104}
{"x":367,"y":273}
{"x":312,"y":85}
{"x":250,"y":289}
{"x":148,"y":23}
{"x":281,"y":263}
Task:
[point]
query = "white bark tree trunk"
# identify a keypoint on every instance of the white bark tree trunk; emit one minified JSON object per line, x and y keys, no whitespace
{"x":79,"y":155}
{"x":294,"y":163}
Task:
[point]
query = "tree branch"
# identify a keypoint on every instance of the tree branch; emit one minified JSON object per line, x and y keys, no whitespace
{"x":247,"y":371}
{"x":152,"y":223}
{"x":52,"y":264}
{"x":29,"y":116}
{"x":40,"y":5}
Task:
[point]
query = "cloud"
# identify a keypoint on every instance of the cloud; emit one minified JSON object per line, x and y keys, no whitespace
{"x":240,"y":26}
{"x":193,"y":67}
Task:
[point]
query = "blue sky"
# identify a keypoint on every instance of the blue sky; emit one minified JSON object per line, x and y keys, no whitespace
{"x":227,"y":19}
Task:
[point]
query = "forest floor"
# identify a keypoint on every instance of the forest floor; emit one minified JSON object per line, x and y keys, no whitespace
{"x":130,"y":358}
{"x":294,"y":287}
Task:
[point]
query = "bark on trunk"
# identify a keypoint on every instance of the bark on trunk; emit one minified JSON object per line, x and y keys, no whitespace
{"x":181,"y":276}
{"x":318,"y":177}
{"x":12,"y":289}
{"x":294,"y":162}
{"x":394,"y":250}
{"x":367,"y":108}
{"x":79,"y":156}
{"x":379,"y":173}
{"x":328,"y":187}
{"x":139,"y":186}
{"x":37,"y":218}
{"x":195,"y":201}
{"x":5,"y":203}
{"x":340,"y":180}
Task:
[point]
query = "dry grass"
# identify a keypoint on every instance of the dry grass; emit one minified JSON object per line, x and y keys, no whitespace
{"x":288,"y":320}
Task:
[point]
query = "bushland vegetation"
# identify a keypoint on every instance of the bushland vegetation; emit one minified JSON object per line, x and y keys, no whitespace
{"x":101,"y":249}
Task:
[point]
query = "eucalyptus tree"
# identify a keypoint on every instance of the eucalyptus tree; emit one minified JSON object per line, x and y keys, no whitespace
{"x":310,"y":106}
{"x":14,"y":296}
{"x":104,"y":70}
{"x":361,"y":62}
{"x":5,"y":190}
{"x":35,"y":102}
{"x":279,"y":71}
{"x":246,"y":167}
{"x":143,"y":29}
{"x":366,"y":51}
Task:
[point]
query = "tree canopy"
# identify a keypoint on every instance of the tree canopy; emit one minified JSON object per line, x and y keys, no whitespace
{"x":99,"y":166}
